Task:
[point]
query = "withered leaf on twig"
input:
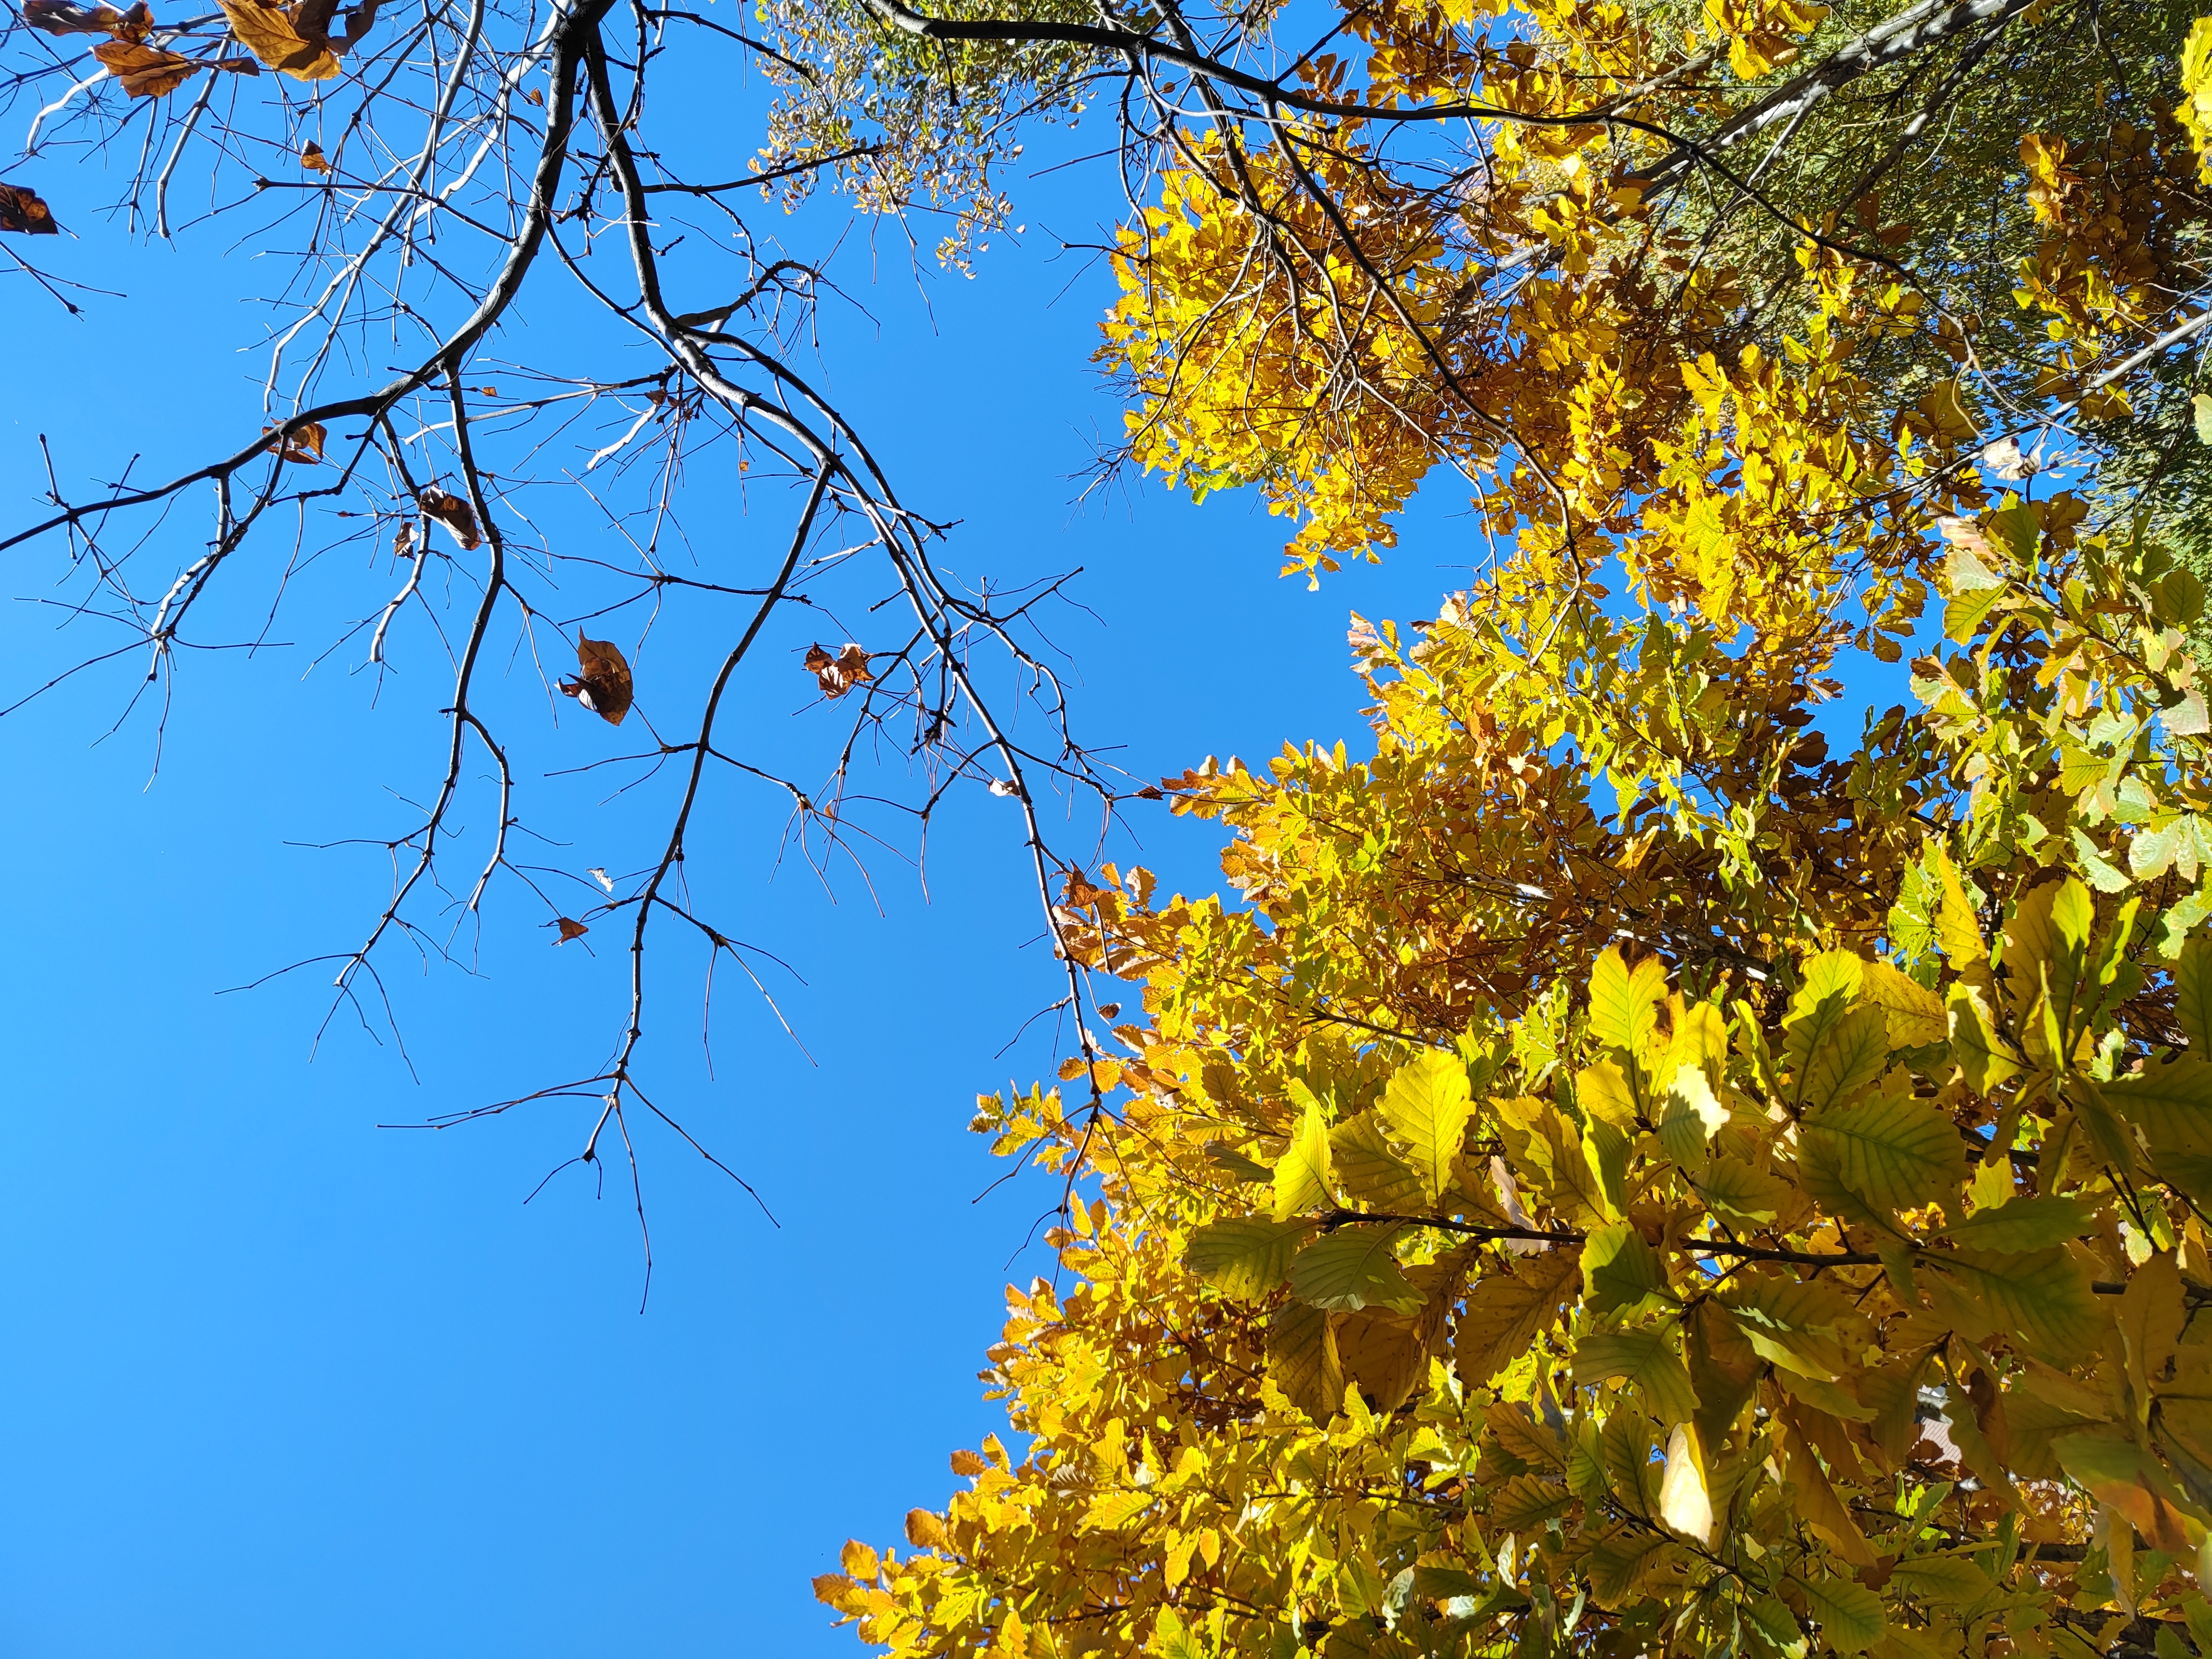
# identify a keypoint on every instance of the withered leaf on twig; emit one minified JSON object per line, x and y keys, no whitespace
{"x":146,"y":71}
{"x":22,"y":208}
{"x":839,"y":674}
{"x":569,"y":929}
{"x":297,"y":38}
{"x":456,"y":515}
{"x":602,"y":683}
{"x":65,"y":17}
{"x":304,"y":444}
{"x":311,"y":157}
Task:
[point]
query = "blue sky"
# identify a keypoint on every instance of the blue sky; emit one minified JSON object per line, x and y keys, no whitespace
{"x":282,"y":1381}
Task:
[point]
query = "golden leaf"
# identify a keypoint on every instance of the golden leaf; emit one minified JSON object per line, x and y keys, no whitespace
{"x":303,"y":444}
{"x":839,"y":674}
{"x":311,"y":157}
{"x":145,"y":72}
{"x":294,"y":40}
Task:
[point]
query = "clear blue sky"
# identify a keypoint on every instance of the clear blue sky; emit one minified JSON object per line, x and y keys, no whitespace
{"x":281,"y":1383}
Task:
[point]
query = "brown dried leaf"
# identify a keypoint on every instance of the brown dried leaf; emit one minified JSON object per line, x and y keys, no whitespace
{"x":65,"y":17}
{"x":839,"y":674}
{"x":569,"y":930}
{"x":456,"y":515}
{"x":536,"y":97}
{"x":22,"y":208}
{"x":311,"y":157}
{"x":304,"y":444}
{"x":146,"y":71}
{"x":295,"y":38}
{"x":602,"y":682}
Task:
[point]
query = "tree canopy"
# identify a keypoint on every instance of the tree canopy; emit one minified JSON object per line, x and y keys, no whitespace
{"x":1624,"y":1175}
{"x":1640,"y":1166}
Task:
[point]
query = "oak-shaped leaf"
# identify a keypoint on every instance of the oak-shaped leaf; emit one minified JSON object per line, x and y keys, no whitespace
{"x":24,"y":211}
{"x":302,"y":444}
{"x":312,"y":158}
{"x":602,"y":682}
{"x":456,"y":515}
{"x":839,"y":674}
{"x":570,"y":928}
{"x":146,"y":71}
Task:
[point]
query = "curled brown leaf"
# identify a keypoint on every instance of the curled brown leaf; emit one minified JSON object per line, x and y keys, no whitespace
{"x":456,"y":515}
{"x":602,"y":680}
{"x":839,"y":674}
{"x":146,"y":71}
{"x":65,"y":17}
{"x":311,"y":157}
{"x":294,"y":39}
{"x":22,"y":209}
{"x":303,"y":444}
{"x":569,"y":929}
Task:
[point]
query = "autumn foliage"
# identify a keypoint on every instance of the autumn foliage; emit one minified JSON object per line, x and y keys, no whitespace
{"x":1641,"y":1166}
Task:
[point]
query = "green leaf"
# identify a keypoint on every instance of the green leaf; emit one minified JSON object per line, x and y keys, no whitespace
{"x":2041,"y":1301}
{"x":1791,"y":1321}
{"x":2025,"y":1223}
{"x":1367,"y":1171}
{"x":1831,"y":985}
{"x":2103,"y":874}
{"x":1770,"y":1617}
{"x":1245,"y":1256}
{"x":1951,"y":1581}
{"x":1985,"y":1057}
{"x":1893,"y":1152}
{"x":1526,"y":1501}
{"x":1505,"y":1313}
{"x":1621,"y":1272}
{"x":1731,"y":1187}
{"x":1114,"y":1509}
{"x":1624,"y":1001}
{"x":1353,"y":1267}
{"x":2192,"y":986}
{"x":1915,"y":1013}
{"x":1963,"y":611}
{"x":2171,"y":1103}
{"x":1303,"y":1360}
{"x":2151,"y":853}
{"x":1605,"y":1150}
{"x":1235,"y":1164}
{"x":1849,"y":1614}
{"x":1647,"y":1360}
{"x":1302,"y":1175}
{"x":1854,"y":1053}
{"x":1426,"y":1107}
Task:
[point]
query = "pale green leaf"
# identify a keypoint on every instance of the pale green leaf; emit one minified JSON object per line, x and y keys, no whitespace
{"x":1246,"y":1257}
{"x":1353,"y":1267}
{"x":1647,"y":1360}
{"x":1849,"y":1614}
{"x":2025,"y":1223}
{"x":1893,"y":1152}
{"x":1426,"y":1107}
{"x":1624,"y":1000}
{"x":1302,"y":1175}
